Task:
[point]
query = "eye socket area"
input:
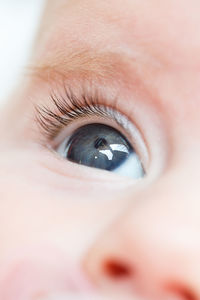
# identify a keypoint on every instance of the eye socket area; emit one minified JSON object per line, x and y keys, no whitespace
{"x":138,"y":119}
{"x":102,"y":146}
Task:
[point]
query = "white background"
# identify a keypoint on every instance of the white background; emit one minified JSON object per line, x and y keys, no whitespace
{"x":19,"y":20}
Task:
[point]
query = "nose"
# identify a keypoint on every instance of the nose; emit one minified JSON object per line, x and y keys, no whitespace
{"x":152,"y":251}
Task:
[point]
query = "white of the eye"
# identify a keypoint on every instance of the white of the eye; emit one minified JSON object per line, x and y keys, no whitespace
{"x":132,"y":167}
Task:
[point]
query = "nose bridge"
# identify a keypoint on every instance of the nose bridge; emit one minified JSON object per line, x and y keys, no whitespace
{"x":171,"y":201}
{"x":164,"y":226}
{"x":155,"y":246}
{"x":173,"y":196}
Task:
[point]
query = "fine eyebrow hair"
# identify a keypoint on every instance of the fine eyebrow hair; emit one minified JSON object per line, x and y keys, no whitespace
{"x":84,"y":62}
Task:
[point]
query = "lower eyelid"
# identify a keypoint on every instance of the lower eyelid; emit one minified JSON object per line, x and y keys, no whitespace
{"x":70,"y":173}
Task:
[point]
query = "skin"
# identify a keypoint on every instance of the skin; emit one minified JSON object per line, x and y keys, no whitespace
{"x":72,"y":232}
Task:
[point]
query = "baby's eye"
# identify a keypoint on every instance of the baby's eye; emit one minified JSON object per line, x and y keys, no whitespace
{"x":104,"y":147}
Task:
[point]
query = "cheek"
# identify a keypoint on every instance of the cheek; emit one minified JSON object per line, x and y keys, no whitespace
{"x":34,"y":212}
{"x":45,"y":231}
{"x":34,"y":272}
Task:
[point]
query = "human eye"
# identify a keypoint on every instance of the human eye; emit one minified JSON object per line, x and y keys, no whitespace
{"x":84,"y":129}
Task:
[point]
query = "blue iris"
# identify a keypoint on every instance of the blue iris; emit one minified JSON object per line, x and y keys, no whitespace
{"x":103,"y":147}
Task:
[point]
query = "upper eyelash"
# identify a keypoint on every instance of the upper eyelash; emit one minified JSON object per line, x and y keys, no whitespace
{"x":69,"y":107}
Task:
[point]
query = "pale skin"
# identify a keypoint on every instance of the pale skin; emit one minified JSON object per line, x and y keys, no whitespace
{"x":72,"y":232}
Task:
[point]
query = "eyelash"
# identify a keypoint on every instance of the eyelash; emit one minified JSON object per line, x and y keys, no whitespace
{"x":70,"y":107}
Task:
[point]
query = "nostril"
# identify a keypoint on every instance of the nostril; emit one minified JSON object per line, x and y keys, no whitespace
{"x":117,"y":269}
{"x":184,"y":293}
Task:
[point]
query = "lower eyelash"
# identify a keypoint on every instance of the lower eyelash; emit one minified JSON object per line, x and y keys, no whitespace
{"x":68,"y":108}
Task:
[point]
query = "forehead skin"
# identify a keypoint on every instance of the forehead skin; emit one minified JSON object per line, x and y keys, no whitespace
{"x":138,"y":26}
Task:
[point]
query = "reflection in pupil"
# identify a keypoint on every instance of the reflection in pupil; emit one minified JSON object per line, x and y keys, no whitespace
{"x":100,"y":143}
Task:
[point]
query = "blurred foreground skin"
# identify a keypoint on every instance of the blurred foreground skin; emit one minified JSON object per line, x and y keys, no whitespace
{"x":82,"y":297}
{"x":66,"y":229}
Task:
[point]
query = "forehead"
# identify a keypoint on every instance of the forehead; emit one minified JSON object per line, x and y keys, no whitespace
{"x":138,"y":25}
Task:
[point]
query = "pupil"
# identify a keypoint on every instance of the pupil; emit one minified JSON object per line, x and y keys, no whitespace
{"x":100,"y":143}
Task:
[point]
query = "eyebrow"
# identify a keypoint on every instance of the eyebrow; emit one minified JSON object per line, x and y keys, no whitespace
{"x":82,"y":62}
{"x":90,"y":65}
